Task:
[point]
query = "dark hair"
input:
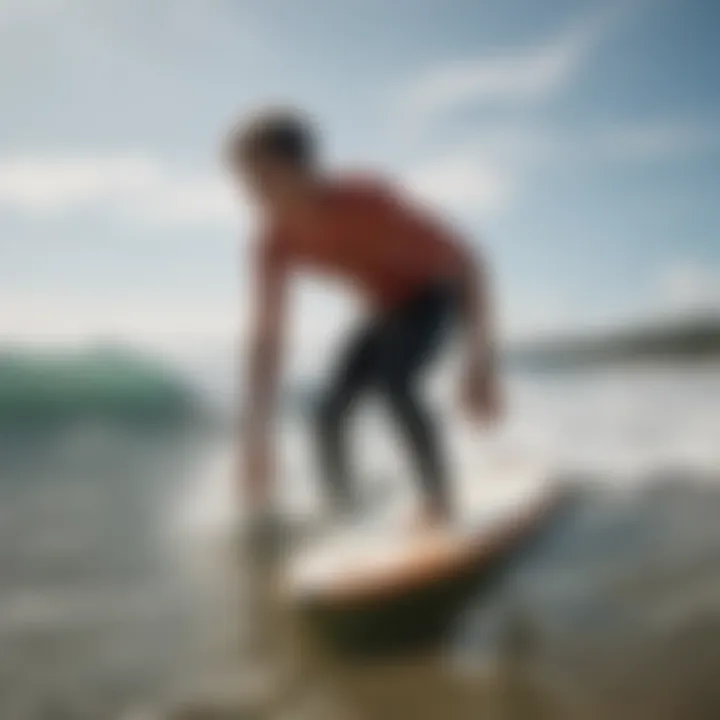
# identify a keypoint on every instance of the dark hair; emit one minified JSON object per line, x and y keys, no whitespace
{"x":282,"y":135}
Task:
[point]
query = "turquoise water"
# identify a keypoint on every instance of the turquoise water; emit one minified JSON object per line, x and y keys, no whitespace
{"x":40,"y":390}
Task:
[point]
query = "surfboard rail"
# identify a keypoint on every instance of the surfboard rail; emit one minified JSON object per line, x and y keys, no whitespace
{"x":410,"y":604}
{"x":434,"y":558}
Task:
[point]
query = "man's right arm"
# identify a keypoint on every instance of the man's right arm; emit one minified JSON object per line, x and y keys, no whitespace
{"x":263,"y":377}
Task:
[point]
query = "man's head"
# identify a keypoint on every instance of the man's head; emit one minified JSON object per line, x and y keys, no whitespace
{"x":274,"y":153}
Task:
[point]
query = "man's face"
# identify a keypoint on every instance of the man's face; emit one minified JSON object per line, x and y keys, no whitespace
{"x":269,"y":182}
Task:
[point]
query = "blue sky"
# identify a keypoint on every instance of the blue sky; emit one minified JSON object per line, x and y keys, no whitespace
{"x":580,"y":141}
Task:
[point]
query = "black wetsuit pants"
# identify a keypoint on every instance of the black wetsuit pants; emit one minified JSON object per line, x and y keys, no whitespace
{"x":386,"y":356}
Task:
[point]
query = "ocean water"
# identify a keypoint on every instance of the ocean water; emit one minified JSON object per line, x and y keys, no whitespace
{"x":123,"y":593}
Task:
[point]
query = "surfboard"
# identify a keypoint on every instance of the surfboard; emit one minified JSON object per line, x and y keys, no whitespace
{"x":370,"y":581}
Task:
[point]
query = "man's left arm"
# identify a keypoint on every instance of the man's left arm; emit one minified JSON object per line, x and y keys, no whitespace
{"x":481,"y":385}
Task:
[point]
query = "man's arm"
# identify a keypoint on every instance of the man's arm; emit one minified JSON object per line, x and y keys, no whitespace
{"x":421,"y":229}
{"x":262,"y":380}
{"x":480,"y":392}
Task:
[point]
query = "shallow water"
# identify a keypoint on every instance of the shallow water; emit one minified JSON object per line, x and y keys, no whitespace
{"x":121,"y":588}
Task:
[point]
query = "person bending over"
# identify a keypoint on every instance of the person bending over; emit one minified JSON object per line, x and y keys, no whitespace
{"x":415,"y":275}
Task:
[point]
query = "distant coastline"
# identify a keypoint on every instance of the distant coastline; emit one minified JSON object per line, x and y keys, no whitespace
{"x":44,"y":389}
{"x":689,"y":339}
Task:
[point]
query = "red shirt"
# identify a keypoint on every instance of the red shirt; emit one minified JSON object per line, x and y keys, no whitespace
{"x":366,"y":234}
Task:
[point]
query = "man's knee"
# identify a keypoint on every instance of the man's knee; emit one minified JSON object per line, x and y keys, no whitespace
{"x":329,"y":412}
{"x":396,"y":391}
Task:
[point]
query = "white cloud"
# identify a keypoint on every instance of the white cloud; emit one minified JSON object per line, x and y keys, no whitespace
{"x":508,"y":76}
{"x":47,"y":318}
{"x":192,"y":201}
{"x":321,"y":316}
{"x":485,"y":174}
{"x":687,"y":287}
{"x":462,"y":183}
{"x":51,"y":185}
{"x":134,"y":187}
{"x":682,"y":290}
{"x":513,"y":76}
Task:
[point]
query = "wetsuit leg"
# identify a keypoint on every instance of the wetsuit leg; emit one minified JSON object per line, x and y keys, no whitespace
{"x":388,"y":356}
{"x":351,"y":379}
{"x":409,"y":341}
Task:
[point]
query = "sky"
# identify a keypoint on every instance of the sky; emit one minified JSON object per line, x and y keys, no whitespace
{"x":576,"y":141}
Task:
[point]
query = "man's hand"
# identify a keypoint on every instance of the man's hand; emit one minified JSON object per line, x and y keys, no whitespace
{"x":480,"y":395}
{"x":256,"y":469}
{"x":266,"y":534}
{"x":264,"y":350}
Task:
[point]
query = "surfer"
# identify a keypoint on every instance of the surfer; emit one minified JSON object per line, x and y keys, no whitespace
{"x":416,"y":276}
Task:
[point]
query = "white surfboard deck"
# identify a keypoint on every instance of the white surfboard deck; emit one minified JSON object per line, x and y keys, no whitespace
{"x":356,"y":563}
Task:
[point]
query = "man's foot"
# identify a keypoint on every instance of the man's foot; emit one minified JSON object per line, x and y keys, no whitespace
{"x":360,"y":505}
{"x":430,"y":517}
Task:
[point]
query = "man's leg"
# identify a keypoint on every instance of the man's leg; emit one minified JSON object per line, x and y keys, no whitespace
{"x":408,"y":343}
{"x":421,"y":431}
{"x":349,"y":381}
